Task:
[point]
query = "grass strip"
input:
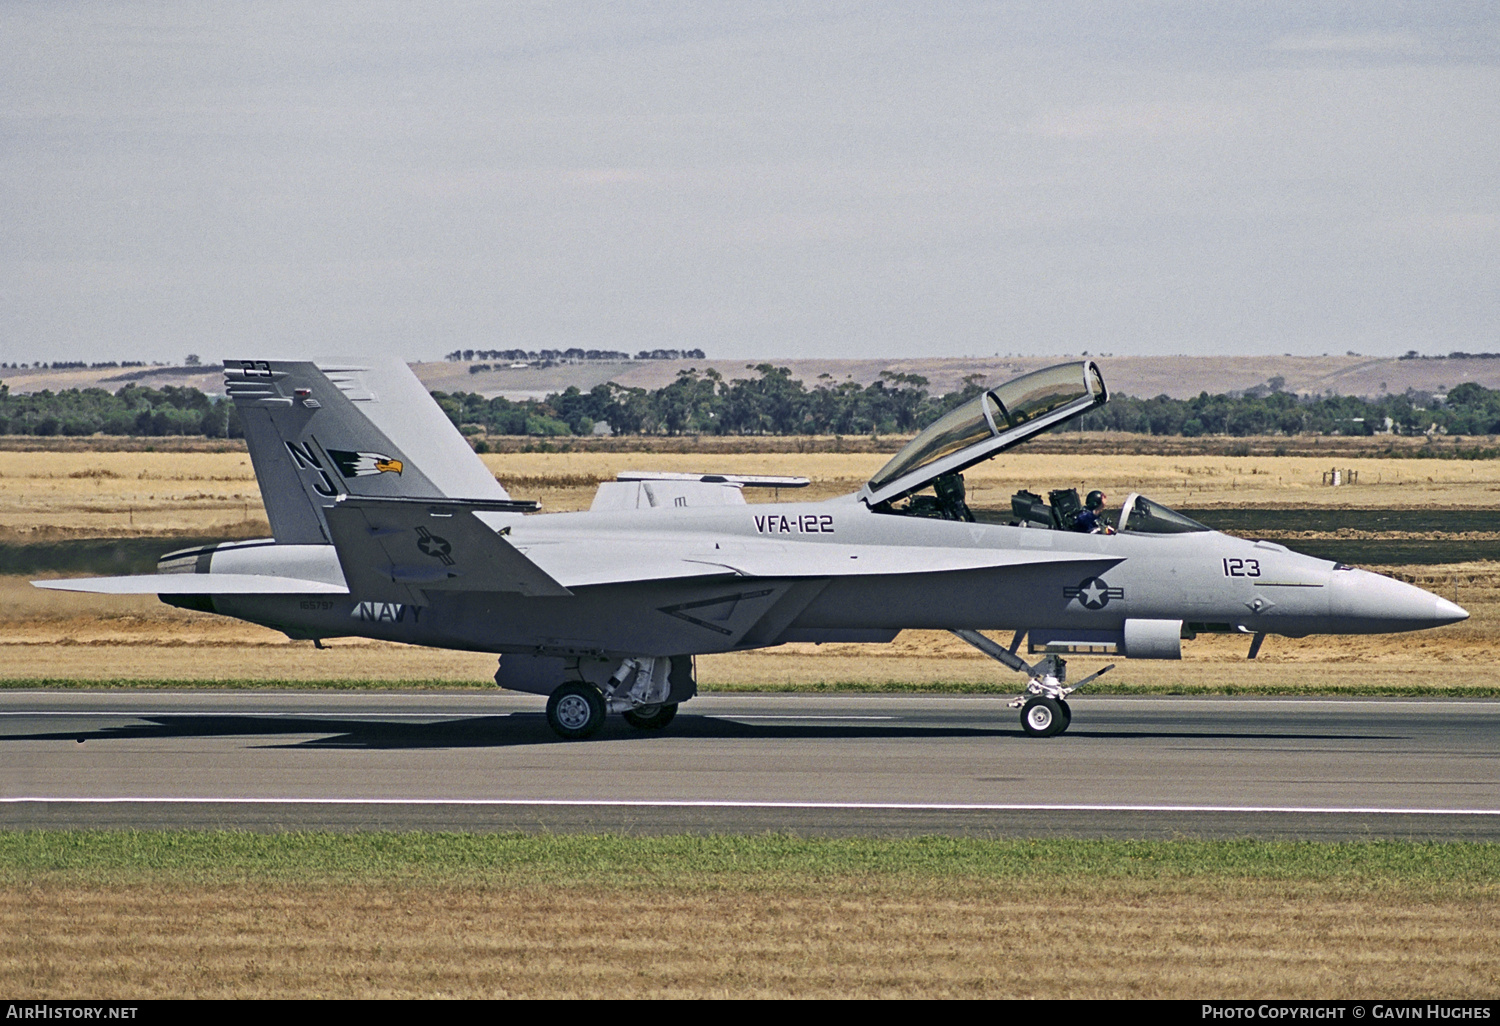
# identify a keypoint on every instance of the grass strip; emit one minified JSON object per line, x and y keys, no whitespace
{"x":208,"y":857}
{"x":955,"y":687}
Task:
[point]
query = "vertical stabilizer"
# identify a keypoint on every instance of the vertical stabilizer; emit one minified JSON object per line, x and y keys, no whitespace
{"x":372,"y":431}
{"x":400,"y":407}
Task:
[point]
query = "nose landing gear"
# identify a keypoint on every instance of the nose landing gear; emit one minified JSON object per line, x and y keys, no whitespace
{"x":1044,"y":707}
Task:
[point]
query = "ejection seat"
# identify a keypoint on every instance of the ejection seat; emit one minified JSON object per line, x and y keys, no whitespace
{"x":1031,"y":511}
{"x":1065,"y":507}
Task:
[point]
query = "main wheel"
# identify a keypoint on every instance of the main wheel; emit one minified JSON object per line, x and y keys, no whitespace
{"x":651,"y":717}
{"x":1043,"y":717}
{"x":1067,"y":714}
{"x":575,"y":711}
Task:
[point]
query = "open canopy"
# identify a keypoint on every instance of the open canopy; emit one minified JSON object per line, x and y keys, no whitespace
{"x":988,"y":425}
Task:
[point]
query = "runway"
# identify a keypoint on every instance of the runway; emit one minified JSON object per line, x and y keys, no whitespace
{"x":814,"y":765}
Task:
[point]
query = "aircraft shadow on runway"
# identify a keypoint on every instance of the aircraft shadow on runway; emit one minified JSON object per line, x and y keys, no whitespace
{"x":517,"y":729}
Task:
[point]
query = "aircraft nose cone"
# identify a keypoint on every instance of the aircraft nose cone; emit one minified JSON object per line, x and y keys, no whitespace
{"x":1367,"y":603}
{"x":1451,"y":612}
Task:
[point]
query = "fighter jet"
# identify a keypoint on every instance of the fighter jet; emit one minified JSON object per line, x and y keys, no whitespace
{"x":386,"y":525}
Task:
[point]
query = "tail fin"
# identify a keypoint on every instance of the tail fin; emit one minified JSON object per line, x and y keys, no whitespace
{"x":317,"y":433}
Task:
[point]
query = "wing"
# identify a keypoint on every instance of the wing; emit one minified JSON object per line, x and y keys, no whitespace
{"x":625,"y":558}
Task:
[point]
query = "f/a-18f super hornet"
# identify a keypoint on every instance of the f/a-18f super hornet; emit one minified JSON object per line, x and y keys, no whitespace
{"x":387,"y":525}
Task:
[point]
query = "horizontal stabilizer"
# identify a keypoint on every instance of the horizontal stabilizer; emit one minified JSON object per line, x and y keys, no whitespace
{"x":392,"y":551}
{"x":194,"y":584}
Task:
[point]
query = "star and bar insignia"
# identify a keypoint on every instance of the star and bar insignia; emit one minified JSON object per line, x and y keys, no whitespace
{"x":1093,"y":593}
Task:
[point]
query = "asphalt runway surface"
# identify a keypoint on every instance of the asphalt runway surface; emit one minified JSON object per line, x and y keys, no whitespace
{"x":873,"y":765}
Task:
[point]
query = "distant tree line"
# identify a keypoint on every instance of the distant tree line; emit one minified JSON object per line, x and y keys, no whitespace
{"x":1412,"y":354}
{"x":73,"y":365}
{"x":775,"y":403}
{"x":1468,"y":409}
{"x":772,"y":402}
{"x":555,"y":356}
{"x":132,"y":410}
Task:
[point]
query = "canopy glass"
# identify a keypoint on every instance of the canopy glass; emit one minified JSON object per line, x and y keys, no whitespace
{"x":1142,"y":516}
{"x":996,"y":412}
{"x":958,"y":429}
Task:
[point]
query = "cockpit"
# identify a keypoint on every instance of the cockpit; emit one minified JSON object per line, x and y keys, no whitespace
{"x":1139,"y":515}
{"x":984,"y":427}
{"x":925,"y":479}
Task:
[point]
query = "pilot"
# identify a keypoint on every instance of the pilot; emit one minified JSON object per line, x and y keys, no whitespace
{"x":1089,"y":520}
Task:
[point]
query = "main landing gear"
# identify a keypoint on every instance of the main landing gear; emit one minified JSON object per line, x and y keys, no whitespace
{"x":650,"y":717}
{"x":575,"y":711}
{"x":638,"y":690}
{"x":1044,"y":703}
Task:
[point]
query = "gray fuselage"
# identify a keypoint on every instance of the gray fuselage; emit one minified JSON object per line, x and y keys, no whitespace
{"x":764,"y":574}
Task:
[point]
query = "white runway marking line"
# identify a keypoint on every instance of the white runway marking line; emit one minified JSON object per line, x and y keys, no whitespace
{"x":691,"y":803}
{"x":791,"y":716}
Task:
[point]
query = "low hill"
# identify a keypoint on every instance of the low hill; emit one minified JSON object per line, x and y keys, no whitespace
{"x":1180,"y":377}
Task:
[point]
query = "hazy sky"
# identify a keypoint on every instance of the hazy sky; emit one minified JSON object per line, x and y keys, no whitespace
{"x":757,"y":179}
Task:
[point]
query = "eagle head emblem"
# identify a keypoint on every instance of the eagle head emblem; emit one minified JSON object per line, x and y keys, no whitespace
{"x":364,"y":464}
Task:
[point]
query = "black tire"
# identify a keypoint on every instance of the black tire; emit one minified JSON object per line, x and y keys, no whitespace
{"x":575,"y":711}
{"x":1067,"y":715}
{"x":1042,"y":717}
{"x":651,"y":717}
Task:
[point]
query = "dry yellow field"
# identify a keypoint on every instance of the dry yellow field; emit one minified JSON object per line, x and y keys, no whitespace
{"x":567,"y":480}
{"x":58,"y":495}
{"x":842,"y":937}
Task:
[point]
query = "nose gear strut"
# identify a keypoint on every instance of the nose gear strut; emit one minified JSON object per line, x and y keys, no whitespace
{"x":1043,"y":705}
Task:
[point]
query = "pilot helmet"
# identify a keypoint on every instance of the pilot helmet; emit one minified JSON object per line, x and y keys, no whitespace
{"x":1095,"y":500}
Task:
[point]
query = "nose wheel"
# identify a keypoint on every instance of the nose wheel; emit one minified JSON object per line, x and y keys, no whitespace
{"x":1045,"y":717}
